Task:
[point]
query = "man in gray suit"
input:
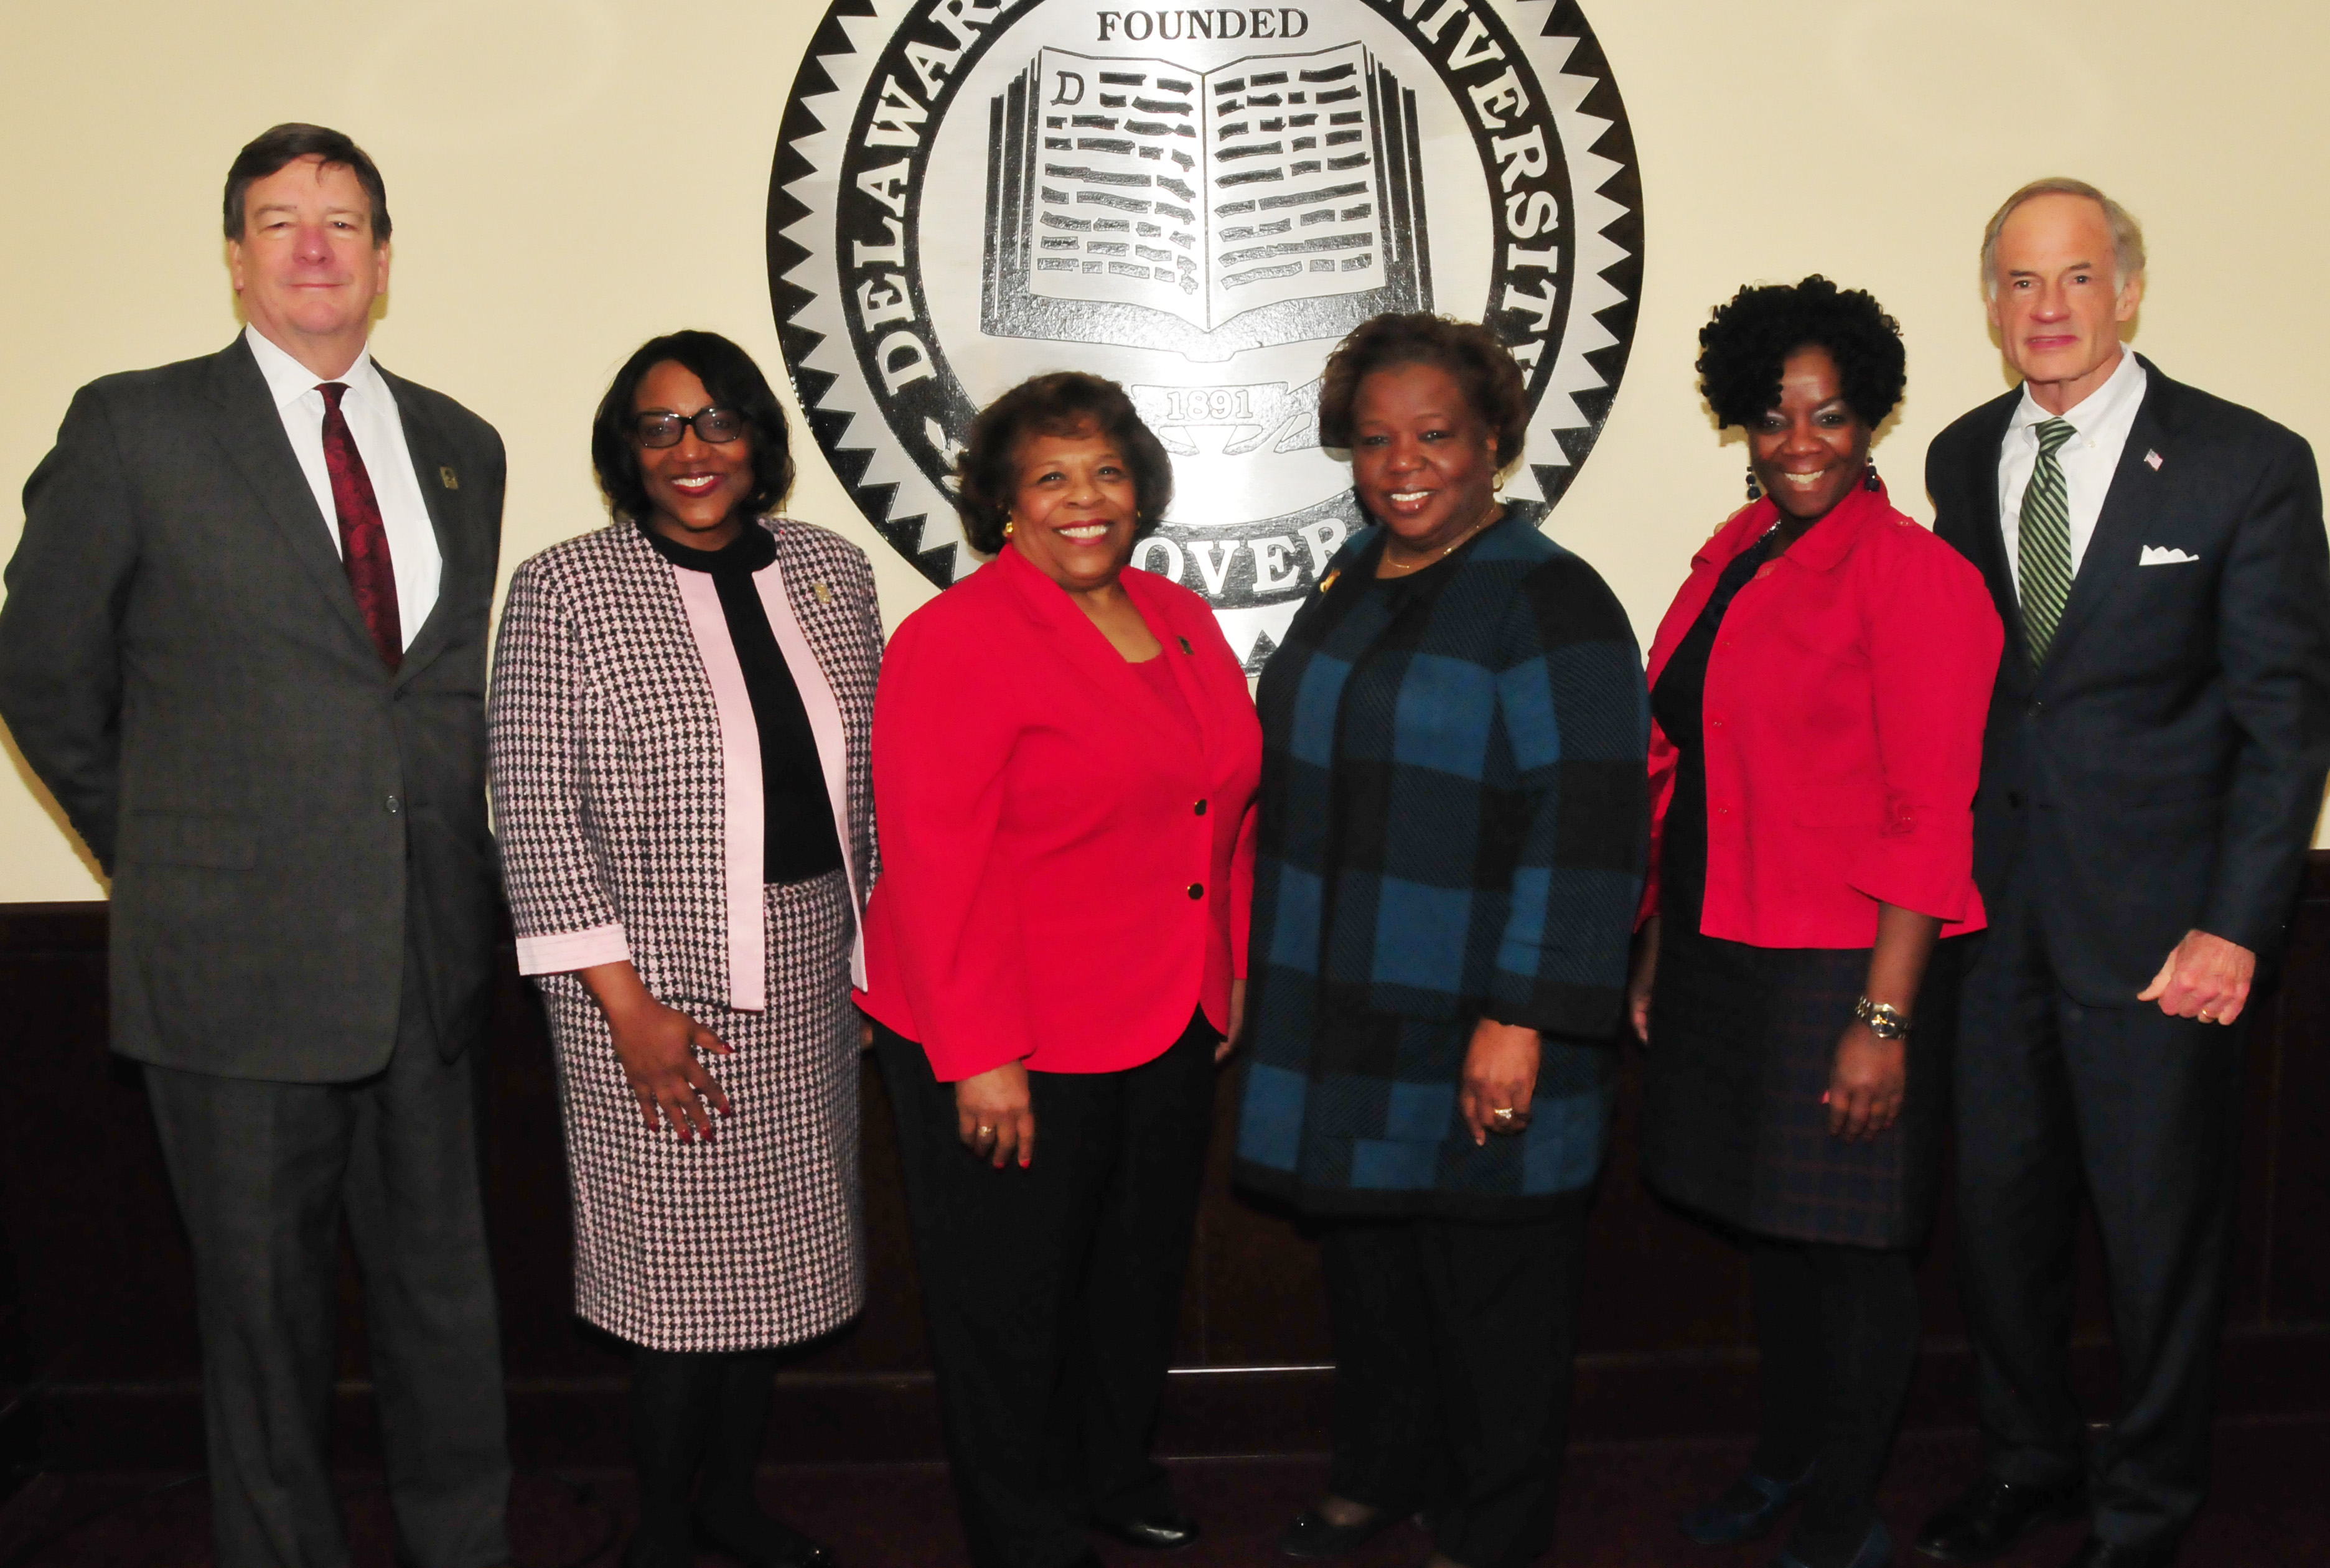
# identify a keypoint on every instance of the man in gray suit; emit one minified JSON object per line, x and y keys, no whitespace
{"x":245,"y":646}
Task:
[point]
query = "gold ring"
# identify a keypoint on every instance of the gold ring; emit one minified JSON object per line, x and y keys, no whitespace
{"x":985,"y":1132}
{"x":2204,"y":1016}
{"x":1502,"y":1113}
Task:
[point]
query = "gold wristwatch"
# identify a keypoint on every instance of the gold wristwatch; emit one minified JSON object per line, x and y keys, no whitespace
{"x":1885,"y":1022}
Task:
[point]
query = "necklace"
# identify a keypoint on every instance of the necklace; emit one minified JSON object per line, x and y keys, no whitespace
{"x":1403,"y":569}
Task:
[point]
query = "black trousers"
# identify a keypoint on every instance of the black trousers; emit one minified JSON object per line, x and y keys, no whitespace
{"x":2143,"y":1110}
{"x":1453,"y":1344}
{"x":263,"y":1173}
{"x":1051,"y":1293}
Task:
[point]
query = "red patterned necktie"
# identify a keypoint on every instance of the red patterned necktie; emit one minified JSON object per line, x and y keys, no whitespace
{"x":364,"y":537}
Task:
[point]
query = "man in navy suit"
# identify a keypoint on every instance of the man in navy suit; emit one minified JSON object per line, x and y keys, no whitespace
{"x":2152,"y":773}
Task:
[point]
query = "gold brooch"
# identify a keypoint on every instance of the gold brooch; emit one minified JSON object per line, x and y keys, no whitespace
{"x":824,"y":594}
{"x":451,"y":480}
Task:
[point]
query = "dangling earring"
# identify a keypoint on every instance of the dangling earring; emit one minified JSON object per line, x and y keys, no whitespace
{"x":1754,"y":491}
{"x":1497,"y":486}
{"x":1871,"y":482}
{"x":1008,"y":526}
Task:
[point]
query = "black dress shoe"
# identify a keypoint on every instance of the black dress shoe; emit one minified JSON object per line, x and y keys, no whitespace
{"x":1993,"y":1514}
{"x":762,"y":1541}
{"x":1166,"y":1532}
{"x":1313,"y":1539}
{"x":2095,"y":1553}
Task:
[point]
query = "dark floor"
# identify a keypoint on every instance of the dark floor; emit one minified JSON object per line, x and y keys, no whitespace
{"x":2272,"y":1509}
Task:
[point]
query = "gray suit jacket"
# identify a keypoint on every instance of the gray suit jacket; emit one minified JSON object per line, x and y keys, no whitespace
{"x":183,"y":663}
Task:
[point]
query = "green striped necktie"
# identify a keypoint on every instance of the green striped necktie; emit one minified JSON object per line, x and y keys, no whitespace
{"x":2043,"y":544}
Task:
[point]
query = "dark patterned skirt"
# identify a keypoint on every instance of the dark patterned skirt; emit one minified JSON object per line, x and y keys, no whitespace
{"x":755,"y":1239}
{"x":1742,"y":1042}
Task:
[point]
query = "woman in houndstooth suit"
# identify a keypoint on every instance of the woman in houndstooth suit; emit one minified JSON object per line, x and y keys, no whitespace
{"x":679,"y":719}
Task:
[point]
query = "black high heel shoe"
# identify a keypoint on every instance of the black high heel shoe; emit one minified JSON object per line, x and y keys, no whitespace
{"x":1724,"y":1522}
{"x":1169,"y":1531}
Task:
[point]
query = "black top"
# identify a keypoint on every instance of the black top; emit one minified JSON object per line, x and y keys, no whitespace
{"x":1677,"y":702}
{"x":799,"y":842}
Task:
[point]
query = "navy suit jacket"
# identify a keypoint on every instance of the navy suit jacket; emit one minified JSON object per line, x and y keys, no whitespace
{"x":2162,"y":769}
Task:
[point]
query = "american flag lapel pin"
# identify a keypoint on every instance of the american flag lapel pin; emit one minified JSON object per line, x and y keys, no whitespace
{"x":2151,"y":460}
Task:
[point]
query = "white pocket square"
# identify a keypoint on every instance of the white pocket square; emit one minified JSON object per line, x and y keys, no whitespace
{"x":2161,"y":555}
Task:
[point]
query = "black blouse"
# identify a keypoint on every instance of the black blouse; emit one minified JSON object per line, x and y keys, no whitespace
{"x":798,"y":815}
{"x":1677,"y":702}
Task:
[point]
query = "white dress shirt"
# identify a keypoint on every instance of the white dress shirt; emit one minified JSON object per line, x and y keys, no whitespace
{"x":2100,"y":421}
{"x":371,"y":411}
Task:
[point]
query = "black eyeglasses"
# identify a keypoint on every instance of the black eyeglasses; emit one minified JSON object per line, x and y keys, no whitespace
{"x":714,"y":426}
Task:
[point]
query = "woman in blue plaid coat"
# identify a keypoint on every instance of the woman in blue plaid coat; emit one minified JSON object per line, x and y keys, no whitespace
{"x":1451,"y":846}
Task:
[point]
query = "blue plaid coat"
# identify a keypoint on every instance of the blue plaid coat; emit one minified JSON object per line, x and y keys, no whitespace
{"x":1453,"y":825}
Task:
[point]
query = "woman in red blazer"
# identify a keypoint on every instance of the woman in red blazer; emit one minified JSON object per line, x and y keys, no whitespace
{"x":1065,"y":766}
{"x":1817,"y":690}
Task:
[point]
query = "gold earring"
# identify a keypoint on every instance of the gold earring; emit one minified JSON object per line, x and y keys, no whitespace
{"x":1008,"y":526}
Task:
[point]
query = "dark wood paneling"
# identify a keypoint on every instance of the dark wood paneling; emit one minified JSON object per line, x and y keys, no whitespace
{"x":20,"y":1427}
{"x":2286,"y":1215}
{"x":106,"y":1316}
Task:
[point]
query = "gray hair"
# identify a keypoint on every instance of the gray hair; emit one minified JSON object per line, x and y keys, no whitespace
{"x":2126,"y":233}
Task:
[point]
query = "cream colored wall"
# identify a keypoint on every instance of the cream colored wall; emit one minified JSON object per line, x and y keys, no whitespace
{"x":572,"y":177}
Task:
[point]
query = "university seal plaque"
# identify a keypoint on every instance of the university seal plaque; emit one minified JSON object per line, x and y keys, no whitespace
{"x":1197,"y":201}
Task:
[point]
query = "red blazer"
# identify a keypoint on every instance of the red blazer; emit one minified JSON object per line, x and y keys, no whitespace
{"x":1065,"y":877}
{"x":1845,"y":700}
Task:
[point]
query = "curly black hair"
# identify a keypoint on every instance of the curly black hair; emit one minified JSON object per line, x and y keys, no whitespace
{"x":732,"y":380}
{"x":1745,"y":342}
{"x":1466,"y":350}
{"x":1065,"y":402}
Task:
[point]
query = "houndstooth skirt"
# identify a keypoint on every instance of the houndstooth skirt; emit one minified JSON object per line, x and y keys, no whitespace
{"x":755,"y":1239}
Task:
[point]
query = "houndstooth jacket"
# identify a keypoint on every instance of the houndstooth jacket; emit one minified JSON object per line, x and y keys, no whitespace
{"x":628,"y":811}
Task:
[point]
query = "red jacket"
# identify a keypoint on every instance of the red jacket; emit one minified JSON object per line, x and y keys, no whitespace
{"x":1845,"y":700}
{"x":1065,"y":877}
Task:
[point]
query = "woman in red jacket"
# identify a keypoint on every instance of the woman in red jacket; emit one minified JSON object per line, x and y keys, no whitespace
{"x":1818,"y":690}
{"x":1064,"y":767}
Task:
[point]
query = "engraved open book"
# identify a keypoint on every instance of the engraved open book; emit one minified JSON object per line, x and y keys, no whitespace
{"x":1272,"y":200}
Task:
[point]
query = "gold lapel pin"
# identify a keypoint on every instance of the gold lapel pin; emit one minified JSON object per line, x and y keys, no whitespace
{"x":452,"y":481}
{"x":824,"y":594}
{"x":1328,"y":582}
